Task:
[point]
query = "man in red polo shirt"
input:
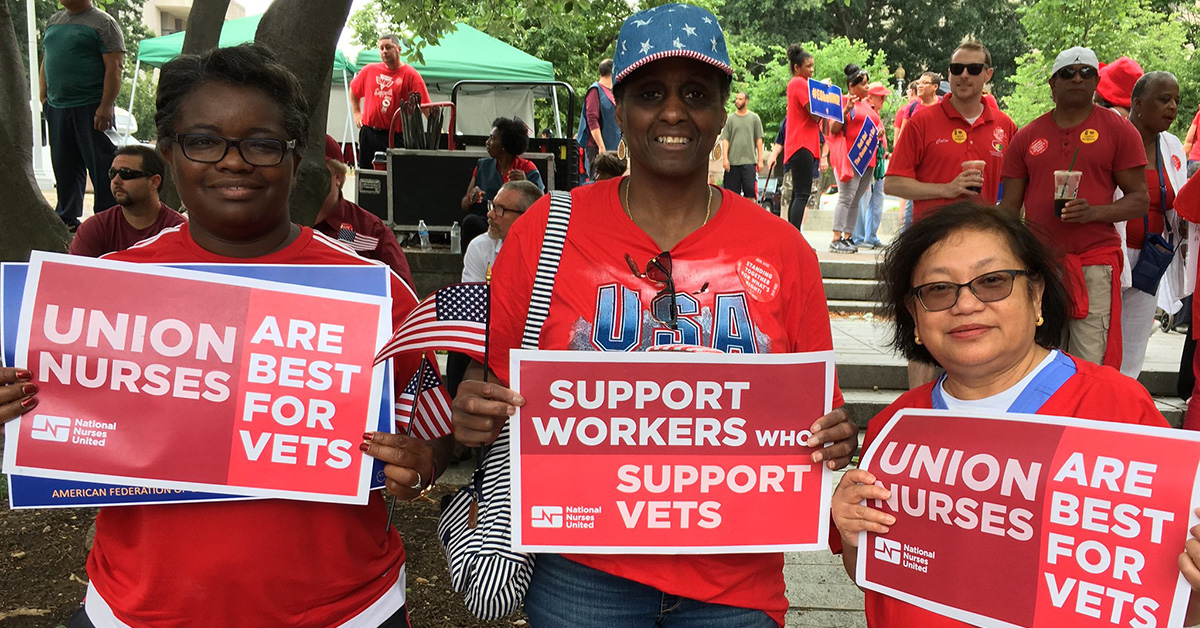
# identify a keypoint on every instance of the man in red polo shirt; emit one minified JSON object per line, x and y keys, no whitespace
{"x":377,"y":93}
{"x":927,"y":164}
{"x":1077,"y":135}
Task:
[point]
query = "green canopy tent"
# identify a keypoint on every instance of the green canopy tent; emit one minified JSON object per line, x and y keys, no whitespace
{"x":157,"y":51}
{"x":469,"y":54}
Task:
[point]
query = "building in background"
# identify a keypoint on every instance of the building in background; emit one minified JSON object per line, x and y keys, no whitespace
{"x":164,"y":17}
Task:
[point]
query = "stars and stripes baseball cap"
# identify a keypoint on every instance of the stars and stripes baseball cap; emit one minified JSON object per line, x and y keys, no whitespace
{"x":670,"y":30}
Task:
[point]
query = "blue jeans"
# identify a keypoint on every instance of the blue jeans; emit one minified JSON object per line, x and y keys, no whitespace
{"x":907,"y":219}
{"x":870,"y":213}
{"x":566,"y":594}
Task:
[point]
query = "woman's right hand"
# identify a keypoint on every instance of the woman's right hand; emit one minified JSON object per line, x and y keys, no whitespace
{"x":17,"y":393}
{"x":852,"y":517}
{"x":480,"y":410}
{"x":477,"y":195}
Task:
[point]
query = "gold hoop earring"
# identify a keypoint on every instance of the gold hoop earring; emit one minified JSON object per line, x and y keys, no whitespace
{"x":717,"y":151}
{"x":622,"y":150}
{"x":1040,"y":320}
{"x":917,"y":338}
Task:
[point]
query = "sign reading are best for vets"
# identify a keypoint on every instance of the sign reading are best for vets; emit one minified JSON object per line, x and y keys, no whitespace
{"x":168,"y":378}
{"x":1033,"y":521}
{"x":669,"y":453}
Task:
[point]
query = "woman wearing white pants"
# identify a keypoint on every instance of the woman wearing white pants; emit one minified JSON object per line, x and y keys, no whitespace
{"x":1155,"y":103}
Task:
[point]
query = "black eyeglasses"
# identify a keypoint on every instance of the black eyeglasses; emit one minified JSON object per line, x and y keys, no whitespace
{"x":127,"y":174}
{"x":1085,"y":72}
{"x":256,"y":151}
{"x":988,"y":288}
{"x":501,"y":210}
{"x":974,"y":69}
{"x":658,"y":270}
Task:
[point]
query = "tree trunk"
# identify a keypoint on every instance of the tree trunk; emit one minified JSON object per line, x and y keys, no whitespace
{"x":204,"y":26}
{"x":304,"y":34}
{"x":27,"y":222}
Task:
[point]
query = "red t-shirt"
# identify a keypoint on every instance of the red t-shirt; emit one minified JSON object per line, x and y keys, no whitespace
{"x":1135,"y":230}
{"x":1106,"y":144}
{"x":269,"y":562}
{"x":386,"y":248}
{"x":938,"y":139}
{"x":109,"y":231}
{"x":383,"y":91}
{"x":802,"y":130}
{"x":598,"y":304}
{"x":903,"y":114}
{"x":1094,"y":392}
{"x":839,"y":144}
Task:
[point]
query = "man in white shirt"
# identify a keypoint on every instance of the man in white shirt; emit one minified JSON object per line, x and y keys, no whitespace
{"x":511,"y":201}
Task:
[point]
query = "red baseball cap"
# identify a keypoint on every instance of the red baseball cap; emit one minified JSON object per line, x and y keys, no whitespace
{"x":1117,"y":79}
{"x":333,"y":150}
{"x":878,"y":89}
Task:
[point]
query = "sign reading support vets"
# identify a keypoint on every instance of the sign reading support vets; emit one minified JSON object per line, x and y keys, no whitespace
{"x":669,"y":453}
{"x":825,"y":100}
{"x":34,"y":492}
{"x":864,"y":146}
{"x":240,"y":386}
{"x":1053,"y":522}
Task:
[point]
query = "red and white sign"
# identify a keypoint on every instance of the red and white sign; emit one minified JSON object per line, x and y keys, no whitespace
{"x":167,"y":378}
{"x":1054,"y":522}
{"x":669,"y":453}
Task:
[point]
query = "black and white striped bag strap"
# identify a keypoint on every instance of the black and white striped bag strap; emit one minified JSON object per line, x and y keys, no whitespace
{"x":548,"y":260}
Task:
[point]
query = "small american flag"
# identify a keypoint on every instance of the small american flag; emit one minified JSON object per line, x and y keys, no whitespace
{"x":451,"y":319}
{"x":423,"y":408}
{"x":356,"y":241}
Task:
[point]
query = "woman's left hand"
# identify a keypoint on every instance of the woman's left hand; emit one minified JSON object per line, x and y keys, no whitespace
{"x":837,"y":428}
{"x":516,"y":175}
{"x":408,"y":462}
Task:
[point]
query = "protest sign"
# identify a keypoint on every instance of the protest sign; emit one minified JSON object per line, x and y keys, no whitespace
{"x":864,"y":146}
{"x":825,"y":100}
{"x":1053,"y":521}
{"x":240,"y":386}
{"x":33,"y":492}
{"x":668,"y":452}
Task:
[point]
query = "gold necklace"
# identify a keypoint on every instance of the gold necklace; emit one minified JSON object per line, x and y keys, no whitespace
{"x":625,"y":204}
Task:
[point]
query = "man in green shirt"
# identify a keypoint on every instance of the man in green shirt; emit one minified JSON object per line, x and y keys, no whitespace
{"x":79,"y":80}
{"x":742,"y":148}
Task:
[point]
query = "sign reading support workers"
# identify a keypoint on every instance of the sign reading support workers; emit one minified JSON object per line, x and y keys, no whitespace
{"x":669,"y":452}
{"x":825,"y":100}
{"x":864,"y":146}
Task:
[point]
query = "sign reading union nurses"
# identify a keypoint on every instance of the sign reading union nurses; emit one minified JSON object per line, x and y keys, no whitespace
{"x":1052,"y":522}
{"x":167,"y":378}
{"x":669,"y":452}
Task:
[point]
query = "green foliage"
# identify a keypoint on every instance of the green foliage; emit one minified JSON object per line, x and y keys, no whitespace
{"x":143,"y":102}
{"x":1157,"y":40}
{"x":368,"y":23}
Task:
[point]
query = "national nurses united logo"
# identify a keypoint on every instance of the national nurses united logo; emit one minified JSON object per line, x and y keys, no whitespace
{"x":1038,"y":146}
{"x":887,"y":550}
{"x":51,"y":428}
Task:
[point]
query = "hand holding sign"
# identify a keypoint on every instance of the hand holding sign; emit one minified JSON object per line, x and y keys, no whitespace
{"x":851,"y":516}
{"x":835,"y":428}
{"x":409,"y":462}
{"x":17,"y":393}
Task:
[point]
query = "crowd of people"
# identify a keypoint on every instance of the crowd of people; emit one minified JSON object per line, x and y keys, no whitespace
{"x":1021,"y":258}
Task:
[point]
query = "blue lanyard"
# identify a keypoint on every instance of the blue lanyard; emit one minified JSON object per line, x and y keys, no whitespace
{"x":1035,"y":395}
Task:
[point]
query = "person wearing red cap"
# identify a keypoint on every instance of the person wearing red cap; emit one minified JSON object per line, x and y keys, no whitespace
{"x":1116,"y":85}
{"x":870,"y":208}
{"x":1078,"y":136}
{"x":354,"y":226}
{"x":842,"y":137}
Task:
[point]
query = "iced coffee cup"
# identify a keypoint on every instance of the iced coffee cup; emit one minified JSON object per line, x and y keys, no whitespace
{"x":1066,"y":189}
{"x":975,"y":164}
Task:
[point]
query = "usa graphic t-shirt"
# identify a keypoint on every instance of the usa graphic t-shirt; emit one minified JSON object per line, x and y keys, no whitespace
{"x":745,"y":282}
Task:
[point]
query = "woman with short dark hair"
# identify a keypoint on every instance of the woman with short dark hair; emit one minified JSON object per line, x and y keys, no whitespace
{"x":506,"y":143}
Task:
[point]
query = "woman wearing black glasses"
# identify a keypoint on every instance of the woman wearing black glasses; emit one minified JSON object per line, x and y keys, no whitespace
{"x":231,"y":124}
{"x":970,"y":289}
{"x":659,"y":257}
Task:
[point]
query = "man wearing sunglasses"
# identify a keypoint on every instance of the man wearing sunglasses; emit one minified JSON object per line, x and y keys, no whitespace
{"x":1079,"y":136}
{"x":135,"y":178}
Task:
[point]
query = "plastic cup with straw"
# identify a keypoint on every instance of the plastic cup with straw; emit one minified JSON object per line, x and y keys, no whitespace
{"x":1066,"y":186}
